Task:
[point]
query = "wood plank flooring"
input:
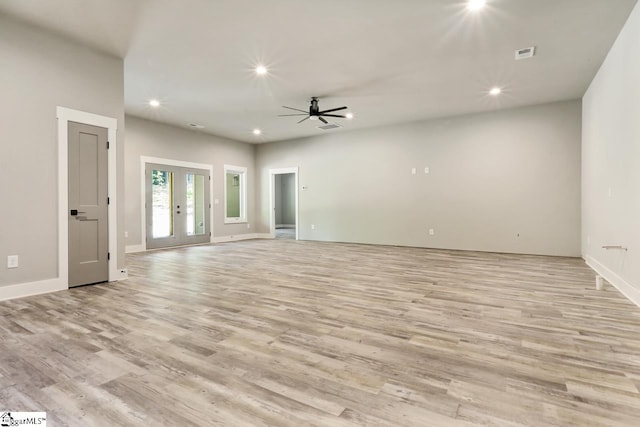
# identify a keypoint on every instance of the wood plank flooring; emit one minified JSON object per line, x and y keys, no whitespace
{"x":287,"y":333}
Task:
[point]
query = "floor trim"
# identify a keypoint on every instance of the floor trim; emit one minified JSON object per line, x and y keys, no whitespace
{"x":627,"y":289}
{"x":22,"y":290}
{"x":131,"y":249}
{"x":239,"y":237}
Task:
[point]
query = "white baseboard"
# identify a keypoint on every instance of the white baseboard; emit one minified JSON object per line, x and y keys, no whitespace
{"x":131,"y":249}
{"x":238,"y":237}
{"x":285,"y":226}
{"x":627,"y":289}
{"x":22,"y":290}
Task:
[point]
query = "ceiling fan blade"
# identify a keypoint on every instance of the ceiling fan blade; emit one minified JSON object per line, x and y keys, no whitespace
{"x":323,"y":120}
{"x":306,"y":118}
{"x":334,"y":115}
{"x":333,"y":109}
{"x":289,"y":115}
{"x":295,"y":109}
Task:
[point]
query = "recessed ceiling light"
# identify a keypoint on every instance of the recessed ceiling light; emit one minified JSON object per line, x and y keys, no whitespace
{"x":154,"y":103}
{"x":349,"y":116}
{"x":257,"y":132}
{"x":474,"y":5}
{"x":495,"y":91}
{"x":261,"y":70}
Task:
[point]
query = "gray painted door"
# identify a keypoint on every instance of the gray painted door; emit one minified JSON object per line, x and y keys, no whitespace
{"x":88,"y":205}
{"x":177,"y":206}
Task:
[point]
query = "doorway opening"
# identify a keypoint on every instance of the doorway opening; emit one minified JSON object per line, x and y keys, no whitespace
{"x":284,"y":203}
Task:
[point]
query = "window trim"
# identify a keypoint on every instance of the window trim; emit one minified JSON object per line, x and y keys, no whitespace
{"x":242,"y":171}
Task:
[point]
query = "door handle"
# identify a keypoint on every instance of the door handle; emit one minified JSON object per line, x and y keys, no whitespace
{"x":75,"y":212}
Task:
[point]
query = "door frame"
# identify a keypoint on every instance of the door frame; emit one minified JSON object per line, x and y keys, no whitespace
{"x":272,"y":198}
{"x":143,"y":191}
{"x":66,"y":115}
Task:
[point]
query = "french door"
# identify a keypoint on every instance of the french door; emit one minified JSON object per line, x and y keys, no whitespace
{"x":177,"y":206}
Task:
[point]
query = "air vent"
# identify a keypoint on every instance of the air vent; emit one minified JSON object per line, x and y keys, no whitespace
{"x":525,"y":53}
{"x":196,"y":126}
{"x":329,"y":126}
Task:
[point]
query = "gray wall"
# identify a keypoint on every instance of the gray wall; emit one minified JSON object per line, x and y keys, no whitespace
{"x":611,"y":162}
{"x":284,"y":188}
{"x":152,"y":139}
{"x":506,"y":181}
{"x":38,"y":72}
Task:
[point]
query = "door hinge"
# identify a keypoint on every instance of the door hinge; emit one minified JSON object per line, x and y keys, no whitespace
{"x":108,"y":200}
{"x":108,"y":256}
{"x":209,"y":205}
{"x":107,"y":145}
{"x":209,"y":234}
{"x":209,"y":177}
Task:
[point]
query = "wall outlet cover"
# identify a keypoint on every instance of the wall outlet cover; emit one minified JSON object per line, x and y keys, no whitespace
{"x":12,"y":261}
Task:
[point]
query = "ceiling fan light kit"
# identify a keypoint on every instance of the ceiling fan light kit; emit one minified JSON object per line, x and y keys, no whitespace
{"x":314,"y":112}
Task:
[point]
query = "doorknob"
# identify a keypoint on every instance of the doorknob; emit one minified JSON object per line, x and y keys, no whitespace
{"x":75,"y":212}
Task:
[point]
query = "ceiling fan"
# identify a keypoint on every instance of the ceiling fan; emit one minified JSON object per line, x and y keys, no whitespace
{"x":314,"y":112}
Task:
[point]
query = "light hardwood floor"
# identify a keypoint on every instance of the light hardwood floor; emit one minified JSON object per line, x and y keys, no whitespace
{"x":286,"y":333}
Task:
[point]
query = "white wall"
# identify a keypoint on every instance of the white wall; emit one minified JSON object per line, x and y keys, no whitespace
{"x":611,"y":163}
{"x":152,"y":139}
{"x":38,"y":72}
{"x":492,"y":176}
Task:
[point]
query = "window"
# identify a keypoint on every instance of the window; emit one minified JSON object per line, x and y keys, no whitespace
{"x":235,"y":194}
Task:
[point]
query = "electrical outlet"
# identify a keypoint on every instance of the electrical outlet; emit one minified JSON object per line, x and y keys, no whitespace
{"x":12,"y":261}
{"x":413,"y":171}
{"x":126,"y":234}
{"x":426,"y":171}
{"x":248,"y":225}
{"x":432,"y":232}
{"x":313,"y":226}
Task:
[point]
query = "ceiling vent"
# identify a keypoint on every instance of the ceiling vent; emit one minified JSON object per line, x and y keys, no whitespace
{"x":329,"y":126}
{"x":525,"y":53}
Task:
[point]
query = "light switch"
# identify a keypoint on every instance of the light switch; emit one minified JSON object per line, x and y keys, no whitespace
{"x":413,"y":171}
{"x":426,"y":170}
{"x":432,"y":232}
{"x":216,"y":201}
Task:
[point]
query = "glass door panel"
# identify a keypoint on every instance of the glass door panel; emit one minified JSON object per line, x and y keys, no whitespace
{"x":162,"y":203}
{"x":195,"y":204}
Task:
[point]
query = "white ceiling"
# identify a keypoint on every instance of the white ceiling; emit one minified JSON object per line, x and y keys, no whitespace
{"x":389,"y":61}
